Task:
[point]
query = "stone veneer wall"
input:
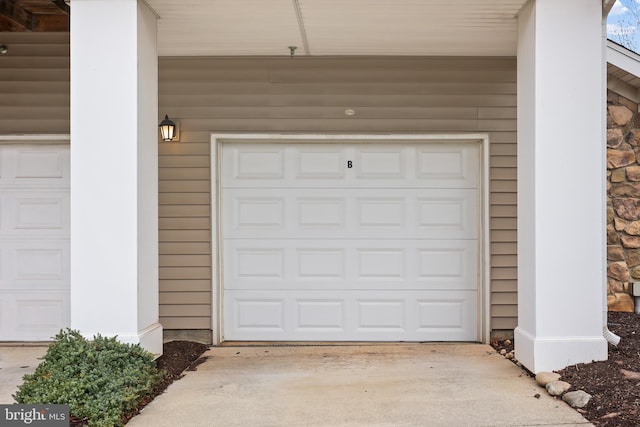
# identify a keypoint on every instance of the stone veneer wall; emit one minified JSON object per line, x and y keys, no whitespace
{"x":623,"y":201}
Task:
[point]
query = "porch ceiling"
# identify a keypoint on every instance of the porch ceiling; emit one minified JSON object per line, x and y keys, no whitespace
{"x":337,"y":27}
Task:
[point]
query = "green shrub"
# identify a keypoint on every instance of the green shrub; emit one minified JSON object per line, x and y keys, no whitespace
{"x":100,"y":380}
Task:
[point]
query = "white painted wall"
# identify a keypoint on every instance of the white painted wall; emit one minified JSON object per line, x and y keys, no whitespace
{"x":114,"y":171}
{"x":561,"y":184}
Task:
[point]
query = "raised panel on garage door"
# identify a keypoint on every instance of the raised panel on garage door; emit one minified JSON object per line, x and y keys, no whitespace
{"x":389,"y":165}
{"x":350,"y":242}
{"x":34,"y":241}
{"x":350,"y":213}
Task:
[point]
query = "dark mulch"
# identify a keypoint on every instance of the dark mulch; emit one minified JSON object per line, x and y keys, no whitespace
{"x":177,"y":357}
{"x":616,"y":397}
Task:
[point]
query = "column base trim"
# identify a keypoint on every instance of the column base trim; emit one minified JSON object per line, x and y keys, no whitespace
{"x":149,"y":338}
{"x":551,"y":353}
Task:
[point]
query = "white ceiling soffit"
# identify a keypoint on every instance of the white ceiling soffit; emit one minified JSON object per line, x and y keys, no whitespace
{"x":337,"y":27}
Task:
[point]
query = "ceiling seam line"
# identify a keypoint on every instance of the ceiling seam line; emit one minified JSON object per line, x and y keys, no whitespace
{"x":303,"y":31}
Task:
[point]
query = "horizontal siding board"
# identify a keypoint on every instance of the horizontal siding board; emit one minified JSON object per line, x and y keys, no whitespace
{"x":504,"y":211}
{"x":504,"y":285}
{"x":326,"y":112}
{"x":34,"y":125}
{"x":183,"y":148}
{"x":184,"y":198}
{"x":504,"y":310}
{"x":184,"y":161}
{"x":339,"y":100}
{"x":174,"y":273}
{"x":184,"y":297}
{"x":185,"y":260}
{"x":503,"y":137}
{"x":199,"y":310}
{"x":503,"y":173}
{"x":175,"y":236}
{"x":184,"y":173}
{"x":497,"y":125}
{"x":503,"y":186}
{"x":186,"y":87}
{"x":169,"y":323}
{"x":503,"y":248}
{"x":504,"y":323}
{"x":181,"y":285}
{"x":184,"y":186}
{"x":346,"y":124}
{"x":46,"y":87}
{"x":405,"y":74}
{"x":503,"y":198}
{"x":504,"y":298}
{"x":504,"y":273}
{"x":504,"y":236}
{"x":34,"y":75}
{"x":190,"y":248}
{"x":503,"y":161}
{"x":48,"y":62}
{"x":184,"y":223}
{"x":30,"y":112}
{"x":184,"y":211}
{"x":504,"y":260}
{"x":509,"y":149}
{"x":503,"y":224}
{"x":187,"y":136}
{"x":497,"y":113}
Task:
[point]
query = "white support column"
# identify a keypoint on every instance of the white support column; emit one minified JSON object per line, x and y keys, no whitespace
{"x":561,"y":184}
{"x":114,"y":171}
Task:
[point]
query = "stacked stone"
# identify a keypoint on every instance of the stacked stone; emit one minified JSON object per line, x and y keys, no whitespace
{"x":623,"y":201}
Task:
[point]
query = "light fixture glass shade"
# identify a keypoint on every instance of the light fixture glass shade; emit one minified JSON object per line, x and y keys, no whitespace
{"x":167,"y":129}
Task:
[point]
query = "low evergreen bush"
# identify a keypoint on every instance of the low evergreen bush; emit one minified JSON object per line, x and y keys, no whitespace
{"x":100,"y":380}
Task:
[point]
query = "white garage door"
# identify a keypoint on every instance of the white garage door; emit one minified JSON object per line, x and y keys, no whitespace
{"x":358,"y":242}
{"x":34,"y":241}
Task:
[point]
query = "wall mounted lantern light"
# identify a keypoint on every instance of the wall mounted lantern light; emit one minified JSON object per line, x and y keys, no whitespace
{"x":167,"y":129}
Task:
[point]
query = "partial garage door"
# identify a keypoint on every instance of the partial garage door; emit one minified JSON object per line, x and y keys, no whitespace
{"x":34,"y":241}
{"x":357,"y":242}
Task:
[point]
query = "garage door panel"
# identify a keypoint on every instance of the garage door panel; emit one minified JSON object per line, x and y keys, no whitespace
{"x":44,"y":166}
{"x":319,"y":163}
{"x":33,"y":315}
{"x":350,"y":264}
{"x":353,"y":316}
{"x":34,"y":264}
{"x":366,"y":165}
{"x":34,"y":241}
{"x":34,"y":213}
{"x":350,"y":213}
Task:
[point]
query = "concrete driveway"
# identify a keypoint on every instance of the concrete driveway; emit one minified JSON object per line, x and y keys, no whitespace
{"x":363,"y":385}
{"x":15,"y":362}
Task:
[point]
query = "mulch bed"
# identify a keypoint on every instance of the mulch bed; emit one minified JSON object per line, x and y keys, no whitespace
{"x":613,"y":384}
{"x":177,"y":357}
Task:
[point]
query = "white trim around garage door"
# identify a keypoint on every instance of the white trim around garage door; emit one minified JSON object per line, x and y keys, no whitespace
{"x":217,"y":139}
{"x":49,"y":139}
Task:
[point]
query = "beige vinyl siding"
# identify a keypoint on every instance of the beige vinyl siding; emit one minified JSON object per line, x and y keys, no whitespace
{"x":309,"y":95}
{"x":34,"y":83}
